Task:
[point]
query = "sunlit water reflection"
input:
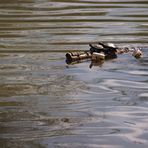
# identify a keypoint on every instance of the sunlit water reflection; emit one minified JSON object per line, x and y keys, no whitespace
{"x":46,"y":103}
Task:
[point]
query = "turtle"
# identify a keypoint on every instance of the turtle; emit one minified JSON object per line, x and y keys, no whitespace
{"x":108,"y":49}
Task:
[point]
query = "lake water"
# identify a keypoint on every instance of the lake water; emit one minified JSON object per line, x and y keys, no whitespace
{"x":45,"y":103}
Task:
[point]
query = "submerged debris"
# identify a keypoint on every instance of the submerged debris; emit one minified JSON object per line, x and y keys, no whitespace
{"x":77,"y":56}
{"x":99,"y":52}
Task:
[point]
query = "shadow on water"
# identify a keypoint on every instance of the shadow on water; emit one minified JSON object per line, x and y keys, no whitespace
{"x":45,"y":103}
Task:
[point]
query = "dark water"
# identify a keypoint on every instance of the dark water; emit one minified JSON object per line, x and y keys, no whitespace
{"x":46,"y":104}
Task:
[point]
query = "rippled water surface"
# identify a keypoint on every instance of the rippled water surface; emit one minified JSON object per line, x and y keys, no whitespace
{"x":45,"y":103}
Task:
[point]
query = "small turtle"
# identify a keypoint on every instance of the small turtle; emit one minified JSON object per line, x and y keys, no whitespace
{"x":108,"y":49}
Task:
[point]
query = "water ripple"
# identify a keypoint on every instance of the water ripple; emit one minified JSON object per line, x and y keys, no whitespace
{"x":44,"y":102}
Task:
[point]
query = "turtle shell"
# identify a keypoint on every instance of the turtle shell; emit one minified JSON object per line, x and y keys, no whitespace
{"x":101,"y":47}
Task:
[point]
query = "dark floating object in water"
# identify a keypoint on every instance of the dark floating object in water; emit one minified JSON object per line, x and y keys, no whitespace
{"x":77,"y":56}
{"x":109,"y":50}
{"x":101,"y":47}
{"x":99,"y":52}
